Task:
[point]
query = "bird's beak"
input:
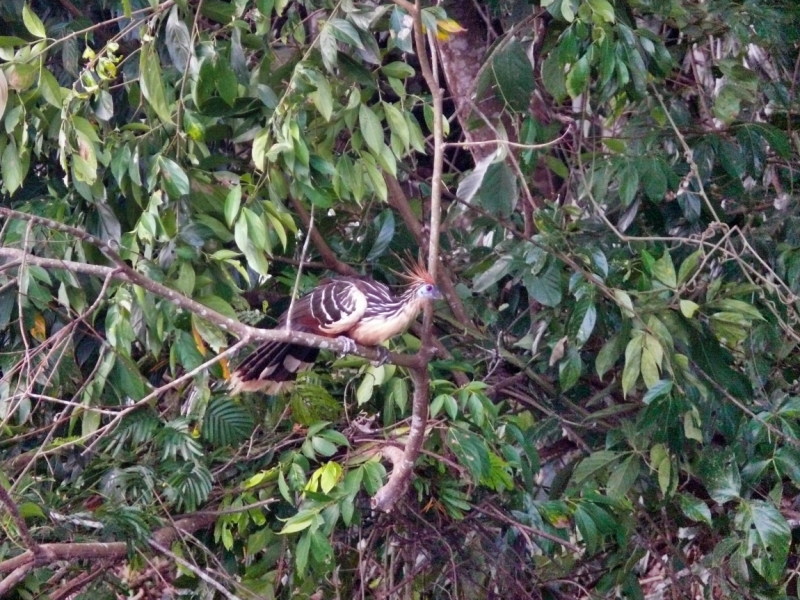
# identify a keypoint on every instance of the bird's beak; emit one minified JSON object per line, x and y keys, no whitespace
{"x":436,"y":294}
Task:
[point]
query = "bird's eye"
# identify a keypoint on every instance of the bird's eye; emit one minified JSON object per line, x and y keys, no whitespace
{"x":429,"y":288}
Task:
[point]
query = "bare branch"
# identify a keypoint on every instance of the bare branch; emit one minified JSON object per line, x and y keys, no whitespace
{"x":22,"y":527}
{"x":50,"y":553}
{"x":198,"y":572}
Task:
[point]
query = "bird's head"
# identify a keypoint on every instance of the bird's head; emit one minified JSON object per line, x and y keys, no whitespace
{"x":421,"y":284}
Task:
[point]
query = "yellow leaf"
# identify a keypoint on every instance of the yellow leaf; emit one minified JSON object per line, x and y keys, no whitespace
{"x":198,"y":341}
{"x":39,"y":329}
{"x":445,"y":29}
{"x":450,"y":26}
{"x":688,"y":308}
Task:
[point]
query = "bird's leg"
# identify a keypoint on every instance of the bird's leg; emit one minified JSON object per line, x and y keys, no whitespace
{"x":383,"y":358}
{"x":349,"y":345}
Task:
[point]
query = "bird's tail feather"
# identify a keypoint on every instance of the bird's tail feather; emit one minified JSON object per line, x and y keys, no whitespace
{"x":272,"y":367}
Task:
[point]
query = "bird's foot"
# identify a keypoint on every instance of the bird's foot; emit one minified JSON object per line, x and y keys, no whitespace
{"x":348,"y":345}
{"x":383,"y":356}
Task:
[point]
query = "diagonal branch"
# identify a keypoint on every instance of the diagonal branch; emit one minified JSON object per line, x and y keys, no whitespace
{"x":22,"y":527}
{"x":329,"y":259}
{"x":244,"y":332}
{"x":51,"y":553}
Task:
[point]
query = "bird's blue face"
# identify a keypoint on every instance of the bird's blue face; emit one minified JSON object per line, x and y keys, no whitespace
{"x":428,"y":291}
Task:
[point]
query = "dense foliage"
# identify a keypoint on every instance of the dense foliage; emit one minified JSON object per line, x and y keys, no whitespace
{"x":613,"y":405}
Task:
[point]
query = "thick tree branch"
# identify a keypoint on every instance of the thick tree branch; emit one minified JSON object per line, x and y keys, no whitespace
{"x":50,"y":553}
{"x":232,"y":326}
{"x":387,"y":496}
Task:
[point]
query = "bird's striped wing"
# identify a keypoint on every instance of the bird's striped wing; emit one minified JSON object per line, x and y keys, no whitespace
{"x":332,"y":308}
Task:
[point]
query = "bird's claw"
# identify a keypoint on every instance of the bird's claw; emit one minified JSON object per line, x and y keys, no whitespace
{"x":348,"y":345}
{"x":383,"y":357}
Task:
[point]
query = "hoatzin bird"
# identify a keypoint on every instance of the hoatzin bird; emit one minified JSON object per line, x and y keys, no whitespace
{"x":351,"y":309}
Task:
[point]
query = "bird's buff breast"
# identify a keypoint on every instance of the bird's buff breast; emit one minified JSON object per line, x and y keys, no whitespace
{"x":374,"y":330}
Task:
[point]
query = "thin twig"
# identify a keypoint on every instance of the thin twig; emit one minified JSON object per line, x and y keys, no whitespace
{"x":300,"y":270}
{"x":197,"y":571}
{"x":22,"y":527}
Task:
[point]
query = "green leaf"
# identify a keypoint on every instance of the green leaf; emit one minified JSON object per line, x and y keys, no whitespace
{"x":715,"y":361}
{"x":767,"y":538}
{"x":493,"y":274}
{"x":328,"y":47}
{"x":609,"y":354}
{"x":323,"y":446}
{"x":603,"y":9}
{"x":660,"y":460}
{"x":628,"y":184}
{"x":365,"y":389}
{"x":345,"y":33}
{"x":218,"y":304}
{"x":652,"y":355}
{"x":225,"y":81}
{"x":498,"y":193}
{"x":256,"y":229}
{"x":688,"y":308}
{"x":664,"y":271}
{"x":514,"y":76}
{"x":623,"y":476}
{"x":695,"y":508}
{"x":227,"y":423}
{"x":301,"y":521}
{"x":471,"y":452}
{"x":625,"y":303}
{"x":787,"y":463}
{"x":384,"y":222}
{"x":659,"y":389}
{"x":151,"y":81}
{"x":51,"y":90}
{"x":323,"y":98}
{"x":33,"y":23}
{"x":174,"y":177}
{"x":593,"y":464}
{"x":398,"y":70}
{"x":233,"y":201}
{"x":727,"y":104}
{"x":260,"y":143}
{"x":546,"y":288}
{"x":578,"y":76}
{"x":12,"y":169}
{"x":691,"y":426}
{"x":652,"y":174}
{"x":633,"y":362}
{"x":330,"y":476}
{"x":587,"y":528}
{"x":370,"y":127}
{"x":569,"y":370}
{"x":582,"y":321}
{"x":3,"y":92}
{"x":554,"y":78}
{"x":720,"y":474}
{"x":397,"y":123}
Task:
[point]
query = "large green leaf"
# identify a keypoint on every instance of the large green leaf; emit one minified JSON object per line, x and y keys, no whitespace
{"x":514,"y":76}
{"x":767,"y":538}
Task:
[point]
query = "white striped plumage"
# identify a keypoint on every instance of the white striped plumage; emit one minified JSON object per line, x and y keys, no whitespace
{"x":362,"y":310}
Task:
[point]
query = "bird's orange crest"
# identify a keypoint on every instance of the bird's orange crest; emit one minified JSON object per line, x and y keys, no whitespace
{"x":416,"y":273}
